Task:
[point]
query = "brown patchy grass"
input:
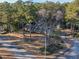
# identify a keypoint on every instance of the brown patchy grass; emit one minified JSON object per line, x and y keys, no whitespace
{"x":21,"y":35}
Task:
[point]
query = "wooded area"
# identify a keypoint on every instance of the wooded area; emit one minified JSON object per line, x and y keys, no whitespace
{"x":39,"y":28}
{"x":15,"y":16}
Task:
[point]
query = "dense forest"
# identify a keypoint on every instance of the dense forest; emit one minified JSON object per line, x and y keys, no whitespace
{"x":15,"y":15}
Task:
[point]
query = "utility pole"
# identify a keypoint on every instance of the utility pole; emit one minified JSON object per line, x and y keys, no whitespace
{"x":46,"y":31}
{"x":30,"y":4}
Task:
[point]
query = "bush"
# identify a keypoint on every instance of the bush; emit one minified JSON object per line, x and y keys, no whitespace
{"x":53,"y":48}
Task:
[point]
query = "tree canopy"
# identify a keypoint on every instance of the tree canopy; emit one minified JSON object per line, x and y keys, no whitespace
{"x":18,"y":12}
